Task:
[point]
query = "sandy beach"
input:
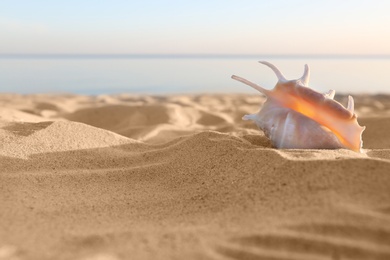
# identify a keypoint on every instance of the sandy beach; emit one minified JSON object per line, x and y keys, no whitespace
{"x":115,"y":177}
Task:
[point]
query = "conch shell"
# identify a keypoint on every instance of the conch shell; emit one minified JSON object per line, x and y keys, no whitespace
{"x":297,"y":117}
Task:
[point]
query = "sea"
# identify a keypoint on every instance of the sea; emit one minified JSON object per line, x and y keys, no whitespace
{"x":186,"y":74}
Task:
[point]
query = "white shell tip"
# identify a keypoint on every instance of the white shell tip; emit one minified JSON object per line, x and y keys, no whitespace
{"x":275,"y":69}
{"x":249,"y":117}
{"x":351,"y":104}
{"x":251,"y":84}
{"x":330,"y":94}
{"x":306,"y":75}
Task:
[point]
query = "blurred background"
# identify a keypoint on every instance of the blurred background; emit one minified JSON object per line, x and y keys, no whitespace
{"x":166,"y":47}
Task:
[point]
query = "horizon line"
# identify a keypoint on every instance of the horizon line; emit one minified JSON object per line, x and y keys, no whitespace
{"x":186,"y":55}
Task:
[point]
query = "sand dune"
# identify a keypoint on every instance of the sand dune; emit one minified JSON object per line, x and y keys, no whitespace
{"x":183,"y":177}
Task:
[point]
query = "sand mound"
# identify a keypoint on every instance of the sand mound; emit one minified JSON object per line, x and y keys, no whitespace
{"x":47,"y":137}
{"x":7,"y":114}
{"x":146,"y":122}
{"x":70,"y":190}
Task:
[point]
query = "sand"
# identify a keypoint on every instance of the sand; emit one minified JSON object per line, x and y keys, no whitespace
{"x":183,"y":177}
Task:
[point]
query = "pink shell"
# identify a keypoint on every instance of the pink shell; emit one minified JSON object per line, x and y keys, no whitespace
{"x":297,"y":117}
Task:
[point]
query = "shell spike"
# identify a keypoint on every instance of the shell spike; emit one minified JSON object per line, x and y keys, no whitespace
{"x":351,"y":104}
{"x":249,"y":117}
{"x":251,"y":84}
{"x":330,"y":94}
{"x":306,"y":76}
{"x":276,"y":70}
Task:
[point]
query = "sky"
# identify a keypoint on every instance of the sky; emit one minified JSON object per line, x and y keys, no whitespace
{"x":195,"y":27}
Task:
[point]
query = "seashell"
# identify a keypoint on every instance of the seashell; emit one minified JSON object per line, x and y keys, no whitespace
{"x":296,"y":117}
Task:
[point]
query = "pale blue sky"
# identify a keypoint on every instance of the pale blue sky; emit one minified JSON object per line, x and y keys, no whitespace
{"x":202,"y":26}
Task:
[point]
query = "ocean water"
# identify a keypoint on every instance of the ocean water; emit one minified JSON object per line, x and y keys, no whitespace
{"x":159,"y":74}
